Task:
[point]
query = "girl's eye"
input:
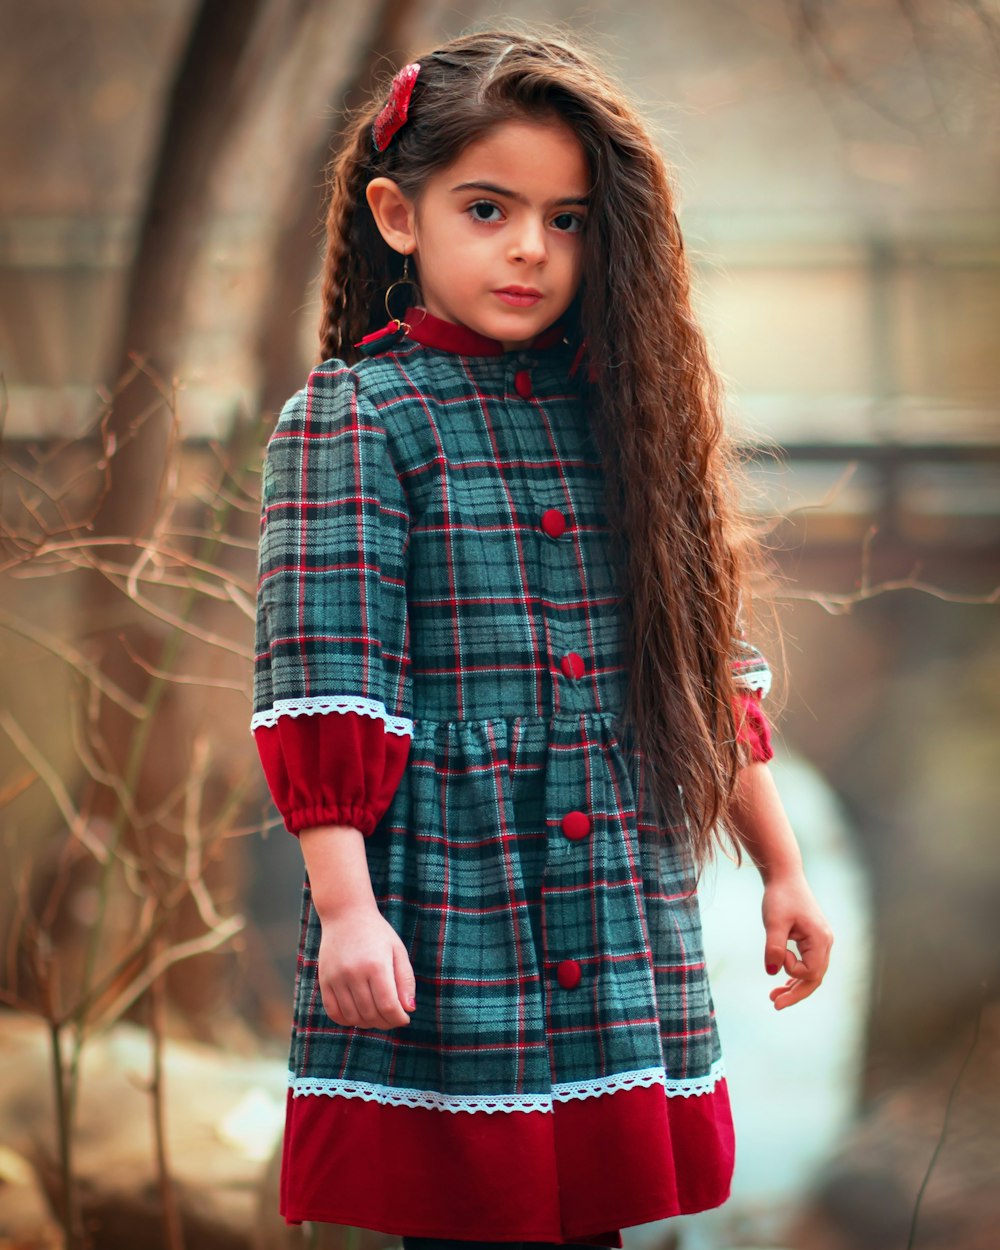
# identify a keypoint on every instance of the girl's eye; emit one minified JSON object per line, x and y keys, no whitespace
{"x":571,"y":223}
{"x":482,"y":209}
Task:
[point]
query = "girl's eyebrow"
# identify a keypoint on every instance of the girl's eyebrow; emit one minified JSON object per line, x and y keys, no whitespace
{"x":516,"y":195}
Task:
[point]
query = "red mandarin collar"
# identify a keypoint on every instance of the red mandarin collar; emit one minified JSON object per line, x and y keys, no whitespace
{"x":433,"y":331}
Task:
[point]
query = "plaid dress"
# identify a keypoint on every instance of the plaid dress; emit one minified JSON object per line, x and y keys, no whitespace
{"x":439,"y":663}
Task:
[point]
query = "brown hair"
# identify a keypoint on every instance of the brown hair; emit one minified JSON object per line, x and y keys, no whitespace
{"x":654,"y":396}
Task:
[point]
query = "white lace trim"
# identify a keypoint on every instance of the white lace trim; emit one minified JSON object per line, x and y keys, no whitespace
{"x":323,"y":704}
{"x":759,"y":680}
{"x":302,"y":1086}
{"x":674,"y":1087}
{"x":394,"y":1097}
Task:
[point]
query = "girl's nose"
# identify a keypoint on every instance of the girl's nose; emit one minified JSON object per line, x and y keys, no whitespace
{"x":530,"y":244}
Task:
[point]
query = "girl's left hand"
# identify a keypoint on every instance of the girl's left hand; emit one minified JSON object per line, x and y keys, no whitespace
{"x":791,"y":914}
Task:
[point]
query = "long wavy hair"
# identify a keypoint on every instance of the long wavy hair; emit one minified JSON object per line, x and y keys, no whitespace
{"x":655,"y":399}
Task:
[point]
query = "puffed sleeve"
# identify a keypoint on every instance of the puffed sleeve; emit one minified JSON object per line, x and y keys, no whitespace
{"x":752,"y":678}
{"x":332,"y":693}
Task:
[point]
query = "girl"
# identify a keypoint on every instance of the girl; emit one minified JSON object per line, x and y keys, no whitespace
{"x":501,"y":694}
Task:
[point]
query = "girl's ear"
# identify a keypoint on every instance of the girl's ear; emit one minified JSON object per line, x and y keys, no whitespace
{"x":394,"y":214}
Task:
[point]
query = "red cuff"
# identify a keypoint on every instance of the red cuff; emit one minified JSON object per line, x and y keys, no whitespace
{"x":336,"y":768}
{"x":752,"y":727}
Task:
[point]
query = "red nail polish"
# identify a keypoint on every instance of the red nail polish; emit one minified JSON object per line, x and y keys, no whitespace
{"x":772,"y":970}
{"x":411,"y":1004}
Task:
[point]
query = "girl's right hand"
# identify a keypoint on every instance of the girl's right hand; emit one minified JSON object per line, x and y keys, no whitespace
{"x":365,"y":975}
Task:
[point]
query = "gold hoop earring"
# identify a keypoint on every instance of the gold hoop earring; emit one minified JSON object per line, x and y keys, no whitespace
{"x":405,"y":280}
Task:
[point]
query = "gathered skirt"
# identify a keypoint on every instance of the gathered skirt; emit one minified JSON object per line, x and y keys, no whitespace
{"x":561,"y":1077}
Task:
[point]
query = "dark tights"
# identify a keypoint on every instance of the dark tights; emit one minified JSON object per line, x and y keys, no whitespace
{"x":442,"y":1243}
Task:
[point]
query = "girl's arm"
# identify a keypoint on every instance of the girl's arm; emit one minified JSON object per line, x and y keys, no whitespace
{"x":365,"y":974}
{"x":790,"y":911}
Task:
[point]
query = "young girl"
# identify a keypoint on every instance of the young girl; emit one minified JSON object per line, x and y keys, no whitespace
{"x":501,"y":691}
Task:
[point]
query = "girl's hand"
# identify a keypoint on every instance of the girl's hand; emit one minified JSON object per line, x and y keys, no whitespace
{"x":365,"y":975}
{"x":791,"y":914}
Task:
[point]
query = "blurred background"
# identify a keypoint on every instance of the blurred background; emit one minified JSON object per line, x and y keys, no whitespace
{"x":160,"y":237}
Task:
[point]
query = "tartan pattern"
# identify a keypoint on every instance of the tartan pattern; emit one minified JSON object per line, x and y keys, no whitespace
{"x":331,"y":614}
{"x":403,"y":568}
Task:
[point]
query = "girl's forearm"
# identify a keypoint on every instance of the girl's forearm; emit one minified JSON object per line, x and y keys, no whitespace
{"x":757,"y":818}
{"x":338,"y":869}
{"x":789,"y":910}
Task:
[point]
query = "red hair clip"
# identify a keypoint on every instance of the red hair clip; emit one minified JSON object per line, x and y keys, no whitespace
{"x":397,"y":107}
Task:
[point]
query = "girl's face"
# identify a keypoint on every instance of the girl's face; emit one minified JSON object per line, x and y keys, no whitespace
{"x":497,"y":234}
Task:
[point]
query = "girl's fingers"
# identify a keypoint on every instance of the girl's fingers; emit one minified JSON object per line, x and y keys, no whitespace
{"x":376,"y":1003}
{"x":359,"y":972}
{"x":794,"y":966}
{"x":805,"y":976}
{"x":364,"y":1000}
{"x":348,"y":1004}
{"x":775,"y":952}
{"x":331,"y":1005}
{"x":339,"y":1005}
{"x":406,"y":982}
{"x":798,"y":939}
{"x":808,"y":964}
{"x":792,"y":992}
{"x":371,"y":1016}
{"x":387,"y":1003}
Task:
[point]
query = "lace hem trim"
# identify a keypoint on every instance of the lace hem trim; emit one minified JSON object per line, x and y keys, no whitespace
{"x":674,"y":1087}
{"x":324,"y":704}
{"x":304,"y":1086}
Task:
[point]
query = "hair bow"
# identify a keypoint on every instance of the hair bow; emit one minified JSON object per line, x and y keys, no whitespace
{"x":394,"y":114}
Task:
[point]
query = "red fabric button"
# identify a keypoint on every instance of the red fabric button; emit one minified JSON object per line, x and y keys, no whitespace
{"x":522,"y":383}
{"x":568,"y":974}
{"x":572,"y":665}
{"x":553,"y":523}
{"x":576,"y":825}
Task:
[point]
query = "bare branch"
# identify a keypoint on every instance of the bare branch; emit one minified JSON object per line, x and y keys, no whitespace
{"x":74,"y":822}
{"x":182,"y":679}
{"x":168,"y":1193}
{"x":74,"y":659}
{"x":218,"y":536}
{"x":22,"y":922}
{"x":908,"y":9}
{"x":194,"y":858}
{"x":179,"y":623}
{"x":244,"y":602}
{"x":14,"y":789}
{"x":841,"y":604}
{"x":219,"y":494}
{"x":176,"y":954}
{"x":812,"y":41}
{"x":833,"y":493}
{"x":989,"y":25}
{"x":183,"y":626}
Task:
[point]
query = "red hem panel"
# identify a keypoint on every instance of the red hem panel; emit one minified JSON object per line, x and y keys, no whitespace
{"x":595,"y":1163}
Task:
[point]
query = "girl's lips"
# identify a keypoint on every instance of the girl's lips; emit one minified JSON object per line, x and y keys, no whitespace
{"x":520,"y":299}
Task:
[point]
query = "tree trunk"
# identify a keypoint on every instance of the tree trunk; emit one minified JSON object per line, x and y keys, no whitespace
{"x":209,"y":91}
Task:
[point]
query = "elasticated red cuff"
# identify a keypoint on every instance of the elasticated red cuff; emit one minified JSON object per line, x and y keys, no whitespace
{"x":752,"y":727}
{"x":338,"y":768}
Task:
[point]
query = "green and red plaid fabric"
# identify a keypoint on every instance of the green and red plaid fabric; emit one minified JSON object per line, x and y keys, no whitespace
{"x":436,"y":571}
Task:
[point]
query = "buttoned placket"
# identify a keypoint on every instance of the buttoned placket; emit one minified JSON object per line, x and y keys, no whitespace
{"x":570,"y":666}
